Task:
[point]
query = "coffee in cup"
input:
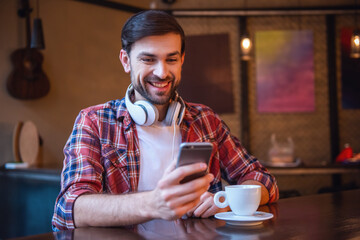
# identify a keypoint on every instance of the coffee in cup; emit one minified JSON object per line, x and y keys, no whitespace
{"x":242,"y":199}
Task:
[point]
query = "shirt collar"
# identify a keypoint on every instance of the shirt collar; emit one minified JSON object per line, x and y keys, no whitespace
{"x":122,"y":114}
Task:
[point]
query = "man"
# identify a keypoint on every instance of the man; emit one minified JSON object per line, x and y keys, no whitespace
{"x":119,"y":166}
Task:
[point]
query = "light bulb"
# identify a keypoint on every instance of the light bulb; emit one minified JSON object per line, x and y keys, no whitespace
{"x":356,"y":41}
{"x":245,"y":46}
{"x":246,"y":43}
{"x":355,"y":44}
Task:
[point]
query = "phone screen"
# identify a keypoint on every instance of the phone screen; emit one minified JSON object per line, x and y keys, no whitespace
{"x":191,"y":153}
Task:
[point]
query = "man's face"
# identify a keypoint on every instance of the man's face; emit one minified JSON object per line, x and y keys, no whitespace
{"x":155,"y":67}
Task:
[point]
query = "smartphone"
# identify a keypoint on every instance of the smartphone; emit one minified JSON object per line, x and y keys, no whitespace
{"x":194,"y":152}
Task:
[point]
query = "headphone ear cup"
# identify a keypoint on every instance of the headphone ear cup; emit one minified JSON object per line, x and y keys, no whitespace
{"x":172,"y":113}
{"x":137,"y":113}
{"x":181,"y":114}
{"x":152,"y":114}
{"x":142,"y":112}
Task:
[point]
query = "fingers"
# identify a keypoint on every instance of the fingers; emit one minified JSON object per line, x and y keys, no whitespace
{"x":211,"y":211}
{"x":191,"y":211}
{"x":174,"y":177}
{"x":202,"y":199}
{"x":179,"y":195}
{"x":178,"y":211}
{"x":206,"y":208}
{"x":197,"y":186}
{"x":184,"y":199}
{"x":173,"y":199}
{"x":184,"y":208}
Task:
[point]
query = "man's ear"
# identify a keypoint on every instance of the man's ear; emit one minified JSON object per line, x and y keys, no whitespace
{"x":182,"y":58}
{"x":125,"y":60}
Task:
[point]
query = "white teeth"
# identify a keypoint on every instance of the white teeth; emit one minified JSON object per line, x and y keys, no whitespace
{"x":159,"y":85}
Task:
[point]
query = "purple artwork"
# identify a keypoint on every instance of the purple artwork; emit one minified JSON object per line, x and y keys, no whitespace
{"x":285,"y":71}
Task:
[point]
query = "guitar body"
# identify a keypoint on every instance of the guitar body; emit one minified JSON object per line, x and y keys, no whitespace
{"x":27,"y":80}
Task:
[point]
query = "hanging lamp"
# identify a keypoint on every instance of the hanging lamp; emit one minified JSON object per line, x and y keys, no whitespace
{"x":245,"y":41}
{"x":355,"y":38}
{"x":37,"y":36}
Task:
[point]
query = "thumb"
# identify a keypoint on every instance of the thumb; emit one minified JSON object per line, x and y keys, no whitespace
{"x":171,"y":167}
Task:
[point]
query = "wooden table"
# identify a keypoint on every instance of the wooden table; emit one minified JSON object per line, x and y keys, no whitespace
{"x":322,"y":216}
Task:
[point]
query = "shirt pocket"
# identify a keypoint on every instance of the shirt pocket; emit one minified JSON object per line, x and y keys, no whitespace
{"x":116,"y":169}
{"x":117,"y":157}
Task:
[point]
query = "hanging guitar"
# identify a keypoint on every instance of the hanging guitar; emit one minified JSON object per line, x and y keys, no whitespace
{"x":27,"y":80}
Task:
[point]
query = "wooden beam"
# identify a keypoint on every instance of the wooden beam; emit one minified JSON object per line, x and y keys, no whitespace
{"x":244,"y":82}
{"x":114,"y":5}
{"x":333,"y":100}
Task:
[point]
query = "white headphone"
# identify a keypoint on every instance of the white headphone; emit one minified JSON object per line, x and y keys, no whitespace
{"x":146,"y":114}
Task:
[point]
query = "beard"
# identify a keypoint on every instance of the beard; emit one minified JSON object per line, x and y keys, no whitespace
{"x":160,"y":98}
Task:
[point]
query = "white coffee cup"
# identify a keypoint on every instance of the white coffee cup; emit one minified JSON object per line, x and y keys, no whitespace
{"x":242,"y":199}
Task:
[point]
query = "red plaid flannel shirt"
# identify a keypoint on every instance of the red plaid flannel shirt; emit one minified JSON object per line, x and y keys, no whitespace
{"x":102,"y":155}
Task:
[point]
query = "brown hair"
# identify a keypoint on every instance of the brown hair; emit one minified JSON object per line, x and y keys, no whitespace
{"x":150,"y":23}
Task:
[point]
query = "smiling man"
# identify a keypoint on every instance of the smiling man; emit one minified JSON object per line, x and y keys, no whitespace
{"x":119,"y":166}
{"x":155,"y":69}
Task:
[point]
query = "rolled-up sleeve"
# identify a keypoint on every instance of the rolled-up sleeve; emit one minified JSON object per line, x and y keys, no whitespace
{"x":230,"y":161}
{"x":268,"y":180}
{"x":240,"y":166}
{"x":82,"y":171}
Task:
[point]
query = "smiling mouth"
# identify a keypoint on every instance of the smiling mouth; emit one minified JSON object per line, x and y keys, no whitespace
{"x":159,"y":84}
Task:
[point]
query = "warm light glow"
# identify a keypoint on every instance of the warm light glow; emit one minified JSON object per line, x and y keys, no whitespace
{"x":245,"y":46}
{"x":246,"y":43}
{"x":356,"y":40}
{"x":355,"y":44}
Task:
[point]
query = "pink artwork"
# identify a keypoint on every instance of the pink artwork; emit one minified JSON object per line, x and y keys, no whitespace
{"x":285,"y":71}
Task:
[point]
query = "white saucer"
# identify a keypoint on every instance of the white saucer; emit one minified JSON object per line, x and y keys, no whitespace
{"x":237,"y":220}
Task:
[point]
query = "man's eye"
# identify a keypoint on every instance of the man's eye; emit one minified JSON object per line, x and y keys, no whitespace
{"x":147,"y":60}
{"x":172,"y":60}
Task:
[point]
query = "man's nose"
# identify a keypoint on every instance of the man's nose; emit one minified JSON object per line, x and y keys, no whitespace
{"x":161,"y":70}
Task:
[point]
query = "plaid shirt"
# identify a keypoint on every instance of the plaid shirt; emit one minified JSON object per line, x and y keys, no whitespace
{"x":102,"y":155}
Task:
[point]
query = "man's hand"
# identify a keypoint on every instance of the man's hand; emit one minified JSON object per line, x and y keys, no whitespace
{"x":206,"y":207}
{"x":171,"y":200}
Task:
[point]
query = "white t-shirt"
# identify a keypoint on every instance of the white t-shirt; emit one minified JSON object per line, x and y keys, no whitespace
{"x":156,"y":152}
